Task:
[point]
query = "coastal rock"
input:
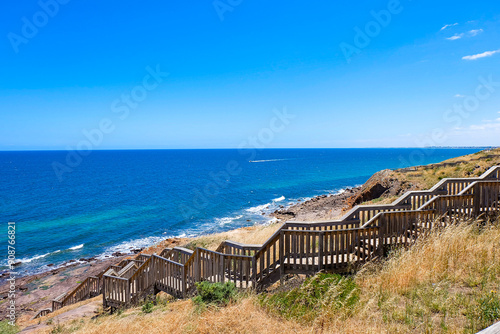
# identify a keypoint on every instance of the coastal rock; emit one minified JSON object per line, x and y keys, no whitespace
{"x":317,"y":208}
{"x":381,"y":184}
{"x":137,"y":250}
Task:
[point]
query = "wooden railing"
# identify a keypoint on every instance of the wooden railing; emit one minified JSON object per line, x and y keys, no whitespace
{"x":192,"y":272}
{"x":57,"y":302}
{"x":236,"y":248}
{"x":338,"y":246}
{"x":219,"y":267}
{"x":362,"y":234}
{"x":42,"y":313}
{"x":169,"y":276}
{"x":116,"y":291}
{"x":142,"y":280}
{"x":177,"y":254}
{"x":267,"y":259}
{"x":128,"y":270}
{"x":87,"y":289}
{"x":307,"y":252}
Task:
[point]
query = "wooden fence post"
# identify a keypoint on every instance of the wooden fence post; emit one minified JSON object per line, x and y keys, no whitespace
{"x":127,"y":293}
{"x":197,"y":264}
{"x":477,"y":200}
{"x":282,"y":256}
{"x":320,"y":250}
{"x":254,"y":272}
{"x":104,"y":305}
{"x":381,"y":234}
{"x":184,"y":281}
{"x":222,"y":267}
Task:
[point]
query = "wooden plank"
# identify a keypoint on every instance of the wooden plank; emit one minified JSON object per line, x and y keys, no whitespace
{"x":320,"y":251}
{"x":282,"y":255}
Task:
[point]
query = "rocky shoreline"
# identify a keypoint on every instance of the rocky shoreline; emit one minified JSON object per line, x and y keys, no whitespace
{"x":36,"y":291}
{"x":323,"y":207}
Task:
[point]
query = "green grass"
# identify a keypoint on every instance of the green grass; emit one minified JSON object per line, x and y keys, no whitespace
{"x":5,"y":328}
{"x":219,"y":294}
{"x":484,"y":310}
{"x":147,"y":307}
{"x":322,"y":291}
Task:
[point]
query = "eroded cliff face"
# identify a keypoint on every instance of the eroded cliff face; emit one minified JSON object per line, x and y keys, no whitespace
{"x":383,"y":184}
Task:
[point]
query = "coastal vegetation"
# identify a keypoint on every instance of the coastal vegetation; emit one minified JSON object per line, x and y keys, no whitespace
{"x":448,"y":282}
{"x":385,"y":186}
{"x":6,"y":328}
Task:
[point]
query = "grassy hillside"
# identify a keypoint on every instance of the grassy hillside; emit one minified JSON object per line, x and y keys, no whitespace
{"x":472,"y":165}
{"x":395,"y":182}
{"x":447,"y":283}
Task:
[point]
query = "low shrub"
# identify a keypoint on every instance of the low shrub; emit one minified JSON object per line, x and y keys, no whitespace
{"x":7,"y":328}
{"x":219,"y":294}
{"x":147,"y":307}
{"x":322,"y":292}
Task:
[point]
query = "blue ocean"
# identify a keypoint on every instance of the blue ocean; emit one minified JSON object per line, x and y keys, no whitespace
{"x":119,"y":200}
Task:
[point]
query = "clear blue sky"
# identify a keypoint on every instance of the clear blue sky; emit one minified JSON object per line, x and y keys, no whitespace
{"x":227,"y":76}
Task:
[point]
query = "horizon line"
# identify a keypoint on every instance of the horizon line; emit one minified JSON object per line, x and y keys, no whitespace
{"x":260,"y":149}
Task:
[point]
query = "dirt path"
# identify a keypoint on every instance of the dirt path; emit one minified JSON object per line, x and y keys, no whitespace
{"x":84,"y":311}
{"x":36,"y":292}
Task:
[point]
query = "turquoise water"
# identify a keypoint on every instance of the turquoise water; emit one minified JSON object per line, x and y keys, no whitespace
{"x":118,"y":200}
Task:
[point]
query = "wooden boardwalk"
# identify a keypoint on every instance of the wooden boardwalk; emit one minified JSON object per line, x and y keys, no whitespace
{"x":364,"y":233}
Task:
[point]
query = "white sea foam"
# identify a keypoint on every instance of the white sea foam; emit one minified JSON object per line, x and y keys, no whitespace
{"x":279,"y":199}
{"x":258,"y":208}
{"x":76,"y":247}
{"x":36,"y":257}
{"x":227,"y":220}
{"x":270,"y":221}
{"x":127,"y":246}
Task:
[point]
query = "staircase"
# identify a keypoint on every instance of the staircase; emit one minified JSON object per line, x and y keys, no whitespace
{"x":362,"y":234}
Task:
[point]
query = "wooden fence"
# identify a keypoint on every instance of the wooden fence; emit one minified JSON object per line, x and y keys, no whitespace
{"x":361,"y":235}
{"x":335,"y":246}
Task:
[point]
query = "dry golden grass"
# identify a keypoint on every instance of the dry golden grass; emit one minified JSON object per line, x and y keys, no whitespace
{"x":458,"y":255}
{"x":447,"y":282}
{"x":471,"y":165}
{"x":181,"y":317}
{"x":256,"y":234}
{"x":425,"y":177}
{"x":26,"y":320}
